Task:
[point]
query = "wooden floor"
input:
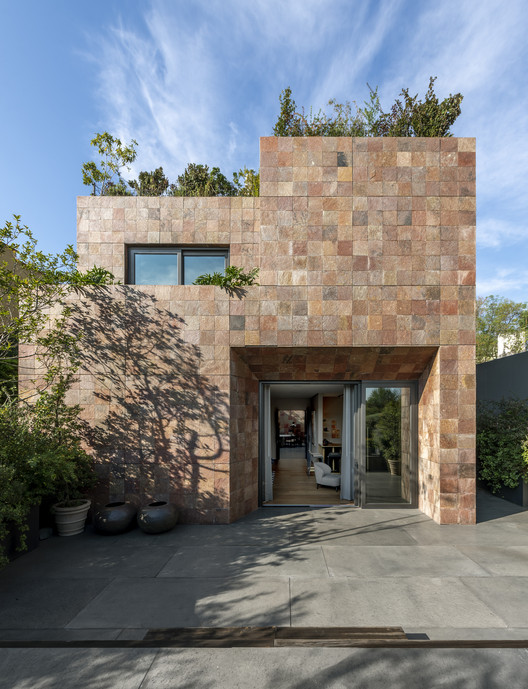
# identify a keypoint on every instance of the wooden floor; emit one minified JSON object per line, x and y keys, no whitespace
{"x":291,"y":485}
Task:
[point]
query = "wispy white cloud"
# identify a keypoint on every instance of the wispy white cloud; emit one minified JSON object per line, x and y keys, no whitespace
{"x":512,"y":282}
{"x":199,"y":82}
{"x":493,"y":233}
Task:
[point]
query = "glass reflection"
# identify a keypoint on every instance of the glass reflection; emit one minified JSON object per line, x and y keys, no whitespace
{"x":156,"y":269}
{"x":194,"y":266}
{"x":388,"y":445}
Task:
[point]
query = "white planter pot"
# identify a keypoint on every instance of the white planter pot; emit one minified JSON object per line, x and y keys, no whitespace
{"x":70,"y":520}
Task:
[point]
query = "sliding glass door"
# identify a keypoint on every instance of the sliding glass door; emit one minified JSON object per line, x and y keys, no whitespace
{"x":389,"y":447}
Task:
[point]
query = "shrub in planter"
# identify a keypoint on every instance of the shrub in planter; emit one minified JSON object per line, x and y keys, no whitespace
{"x":502,"y":430}
{"x":38,"y":459}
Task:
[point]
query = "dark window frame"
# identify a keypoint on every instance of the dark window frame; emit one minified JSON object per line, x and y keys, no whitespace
{"x":180,"y":251}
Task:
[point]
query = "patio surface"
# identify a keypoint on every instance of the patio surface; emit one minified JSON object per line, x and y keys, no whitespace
{"x":324,"y":567}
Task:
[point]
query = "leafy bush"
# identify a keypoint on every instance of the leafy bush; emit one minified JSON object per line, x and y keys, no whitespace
{"x":502,"y":435}
{"x":407,"y":117}
{"x":40,"y":455}
{"x":233,"y":280}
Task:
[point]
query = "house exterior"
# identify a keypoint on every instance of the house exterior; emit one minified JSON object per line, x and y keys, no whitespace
{"x":366,"y":251}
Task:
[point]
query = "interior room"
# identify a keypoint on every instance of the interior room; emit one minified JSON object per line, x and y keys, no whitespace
{"x":305,"y":429}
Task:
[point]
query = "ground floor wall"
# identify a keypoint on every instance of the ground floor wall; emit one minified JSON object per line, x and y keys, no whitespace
{"x":170,"y":404}
{"x":244,"y":434}
{"x":446,"y":436}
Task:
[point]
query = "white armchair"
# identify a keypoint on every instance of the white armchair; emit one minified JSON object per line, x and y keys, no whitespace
{"x":325,"y":477}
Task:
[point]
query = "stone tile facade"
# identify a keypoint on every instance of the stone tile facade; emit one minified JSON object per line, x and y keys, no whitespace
{"x":366,"y":251}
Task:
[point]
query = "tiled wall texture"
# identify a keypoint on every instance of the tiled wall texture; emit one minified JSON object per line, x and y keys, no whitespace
{"x":366,"y":251}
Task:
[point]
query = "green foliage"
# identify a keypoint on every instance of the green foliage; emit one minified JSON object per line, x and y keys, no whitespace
{"x":40,"y":451}
{"x":233,"y":280}
{"x":106,"y":178}
{"x":150,"y":183}
{"x":198,"y":180}
{"x":502,"y":435}
{"x":246,"y":182}
{"x":410,"y":117}
{"x":343,"y":122}
{"x":31,"y":283}
{"x":499,"y":316}
{"x":383,"y":418}
{"x":40,"y":455}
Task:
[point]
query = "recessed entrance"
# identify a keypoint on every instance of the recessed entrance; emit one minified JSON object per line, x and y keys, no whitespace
{"x":303,"y":426}
{"x":338,"y":443}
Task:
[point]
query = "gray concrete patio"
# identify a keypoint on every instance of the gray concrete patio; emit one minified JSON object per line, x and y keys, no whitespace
{"x":303,"y":567}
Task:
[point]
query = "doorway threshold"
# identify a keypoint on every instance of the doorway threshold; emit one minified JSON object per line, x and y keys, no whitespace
{"x":345,"y":503}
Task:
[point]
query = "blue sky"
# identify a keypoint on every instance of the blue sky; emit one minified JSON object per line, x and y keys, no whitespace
{"x":199,"y":80}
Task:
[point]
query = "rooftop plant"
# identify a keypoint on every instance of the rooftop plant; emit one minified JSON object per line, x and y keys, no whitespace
{"x":408,"y":116}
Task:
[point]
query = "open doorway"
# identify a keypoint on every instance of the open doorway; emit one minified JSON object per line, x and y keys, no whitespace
{"x":304,"y":425}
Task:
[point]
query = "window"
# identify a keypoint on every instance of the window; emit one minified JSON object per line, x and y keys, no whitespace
{"x":173,"y":265}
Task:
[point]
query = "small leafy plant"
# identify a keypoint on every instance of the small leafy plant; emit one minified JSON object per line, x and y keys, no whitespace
{"x":233,"y":280}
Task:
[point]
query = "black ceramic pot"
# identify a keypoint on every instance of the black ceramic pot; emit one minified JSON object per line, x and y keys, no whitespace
{"x":157,"y":517}
{"x":115,"y":517}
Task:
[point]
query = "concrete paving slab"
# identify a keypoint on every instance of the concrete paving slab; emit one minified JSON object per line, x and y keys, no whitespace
{"x":493,"y":507}
{"x":132,"y":634}
{"x":379,"y":519}
{"x":313,"y":668}
{"x":252,"y":533}
{"x":400,"y":561}
{"x":506,"y":596}
{"x":43,"y":603}
{"x":488,"y":533}
{"x":351,"y":535}
{"x":82,"y":668}
{"x":232,"y":561}
{"x":407,"y":602}
{"x":471,"y":633}
{"x":164,"y":602}
{"x":501,"y":561}
{"x":96,"y":559}
{"x":59,"y":634}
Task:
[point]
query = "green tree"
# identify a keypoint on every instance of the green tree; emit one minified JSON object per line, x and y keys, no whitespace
{"x":150,"y":183}
{"x":246,"y":182}
{"x":106,"y":178}
{"x":499,"y":316}
{"x":407,"y":117}
{"x":198,"y":180}
{"x":32,"y":283}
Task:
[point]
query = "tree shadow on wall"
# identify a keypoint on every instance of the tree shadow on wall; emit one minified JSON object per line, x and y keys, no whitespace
{"x":156,"y":426}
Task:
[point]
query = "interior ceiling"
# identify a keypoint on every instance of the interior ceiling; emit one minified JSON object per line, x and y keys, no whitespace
{"x":306,"y":391}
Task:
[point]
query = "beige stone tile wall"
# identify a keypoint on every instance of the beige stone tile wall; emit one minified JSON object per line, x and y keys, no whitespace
{"x":366,"y":251}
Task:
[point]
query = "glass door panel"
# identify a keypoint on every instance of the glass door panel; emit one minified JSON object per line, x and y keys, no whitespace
{"x":388,"y":466}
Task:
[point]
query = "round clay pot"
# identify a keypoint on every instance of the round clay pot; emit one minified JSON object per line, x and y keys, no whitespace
{"x":115,"y":517}
{"x":70,"y":520}
{"x":157,"y":517}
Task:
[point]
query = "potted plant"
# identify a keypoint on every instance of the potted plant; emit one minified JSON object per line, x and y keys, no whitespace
{"x":73,"y":475}
{"x":41,"y":456}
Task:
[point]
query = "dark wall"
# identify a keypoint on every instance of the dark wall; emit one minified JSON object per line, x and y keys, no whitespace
{"x":505,"y":377}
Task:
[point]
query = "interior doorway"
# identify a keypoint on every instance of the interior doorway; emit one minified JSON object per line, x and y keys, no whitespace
{"x":302,"y":425}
